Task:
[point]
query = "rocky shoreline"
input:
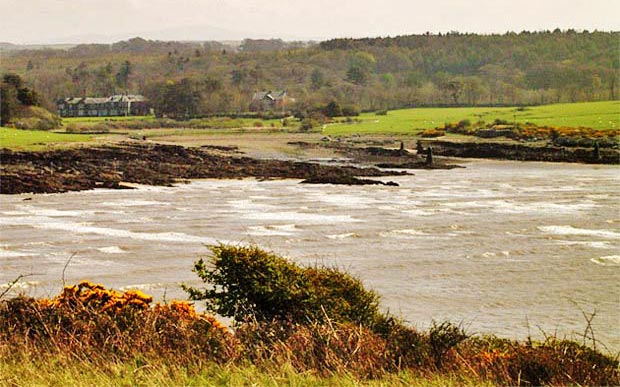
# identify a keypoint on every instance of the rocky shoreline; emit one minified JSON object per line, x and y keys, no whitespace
{"x":114,"y":165}
{"x":522,"y":152}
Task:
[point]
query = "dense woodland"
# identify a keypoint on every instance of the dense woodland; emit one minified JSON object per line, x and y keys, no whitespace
{"x":380,"y":73}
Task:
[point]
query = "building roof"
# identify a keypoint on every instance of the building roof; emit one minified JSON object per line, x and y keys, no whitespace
{"x":271,"y":95}
{"x":102,"y":100}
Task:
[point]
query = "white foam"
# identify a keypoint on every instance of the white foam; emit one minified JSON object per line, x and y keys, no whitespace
{"x":245,"y":205}
{"x":20,"y":285}
{"x":13,"y":253}
{"x":420,"y":212}
{"x":403,"y":233}
{"x":592,"y":244}
{"x":570,"y":230}
{"x":50,"y":212}
{"x":84,"y":228}
{"x":111,"y":250}
{"x":343,"y":200}
{"x":157,"y":285}
{"x":134,"y":203}
{"x":291,"y":216}
{"x":509,"y":207}
{"x":610,"y":260}
{"x":273,"y":230}
{"x":343,"y":236}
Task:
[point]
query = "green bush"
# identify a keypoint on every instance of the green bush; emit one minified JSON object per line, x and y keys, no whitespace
{"x":381,"y":113}
{"x":247,"y":282}
{"x":308,"y":124}
{"x":351,"y":110}
{"x":36,"y":118}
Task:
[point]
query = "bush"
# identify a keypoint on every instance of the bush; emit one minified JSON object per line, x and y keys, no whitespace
{"x":381,"y":113}
{"x":429,"y":133}
{"x":36,"y":118}
{"x":351,"y":110}
{"x":308,"y":124}
{"x":247,"y":282}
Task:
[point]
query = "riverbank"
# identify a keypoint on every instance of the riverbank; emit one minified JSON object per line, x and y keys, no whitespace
{"x":115,"y":165}
{"x":522,"y":152}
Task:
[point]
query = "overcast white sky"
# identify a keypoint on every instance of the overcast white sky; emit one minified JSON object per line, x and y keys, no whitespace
{"x":78,"y":21}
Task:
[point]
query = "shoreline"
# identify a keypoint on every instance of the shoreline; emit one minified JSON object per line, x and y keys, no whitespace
{"x":521,"y":152}
{"x":115,"y":165}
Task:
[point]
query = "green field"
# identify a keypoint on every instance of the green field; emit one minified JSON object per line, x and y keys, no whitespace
{"x":596,"y":115}
{"x":37,"y":139}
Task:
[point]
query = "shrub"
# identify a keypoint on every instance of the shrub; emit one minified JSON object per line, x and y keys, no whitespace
{"x":308,"y":124}
{"x":351,"y":110}
{"x":247,"y":282}
{"x":443,"y":337}
{"x":36,"y":118}
{"x":427,"y":133}
{"x":381,"y":113}
{"x":88,"y":321}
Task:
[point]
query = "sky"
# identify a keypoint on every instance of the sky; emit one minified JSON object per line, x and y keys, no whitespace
{"x":106,"y":21}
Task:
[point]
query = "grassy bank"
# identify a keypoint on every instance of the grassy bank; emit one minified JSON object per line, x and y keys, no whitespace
{"x":596,"y":115}
{"x":34,"y":140}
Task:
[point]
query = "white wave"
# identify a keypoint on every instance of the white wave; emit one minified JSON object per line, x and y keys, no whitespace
{"x":343,"y":236}
{"x":570,"y":230}
{"x":157,"y":285}
{"x":509,"y":207}
{"x":20,"y":285}
{"x":134,"y":203}
{"x":420,"y":212}
{"x":490,"y":254}
{"x":14,"y":253}
{"x":403,"y":233}
{"x":273,"y":230}
{"x":343,"y":200}
{"x":592,"y":244}
{"x":244,"y":205}
{"x":292,"y":216}
{"x":111,"y":250}
{"x":51,"y":212}
{"x":610,"y":260}
{"x":42,"y":222}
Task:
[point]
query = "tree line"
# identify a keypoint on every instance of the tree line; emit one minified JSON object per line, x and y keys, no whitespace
{"x":451,"y":69}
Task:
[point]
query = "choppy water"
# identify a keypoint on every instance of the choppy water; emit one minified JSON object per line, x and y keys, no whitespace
{"x":506,"y":247}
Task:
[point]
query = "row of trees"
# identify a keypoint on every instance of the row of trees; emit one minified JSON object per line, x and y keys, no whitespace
{"x":381,"y":73}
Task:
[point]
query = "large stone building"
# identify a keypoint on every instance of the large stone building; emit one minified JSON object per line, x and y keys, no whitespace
{"x":116,"y":105}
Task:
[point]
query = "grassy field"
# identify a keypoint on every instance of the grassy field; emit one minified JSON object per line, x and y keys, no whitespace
{"x":60,"y":371}
{"x":596,"y":115}
{"x":37,"y":139}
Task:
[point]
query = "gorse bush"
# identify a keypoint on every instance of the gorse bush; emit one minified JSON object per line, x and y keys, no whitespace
{"x":247,"y":282}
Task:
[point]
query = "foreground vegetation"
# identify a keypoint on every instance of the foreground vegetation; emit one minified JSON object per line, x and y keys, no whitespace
{"x":291,"y":326}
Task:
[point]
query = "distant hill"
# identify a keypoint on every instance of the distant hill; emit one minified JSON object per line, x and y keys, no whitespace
{"x":5,"y":46}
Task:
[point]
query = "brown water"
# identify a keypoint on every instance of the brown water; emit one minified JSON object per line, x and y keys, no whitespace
{"x":505,"y":247}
